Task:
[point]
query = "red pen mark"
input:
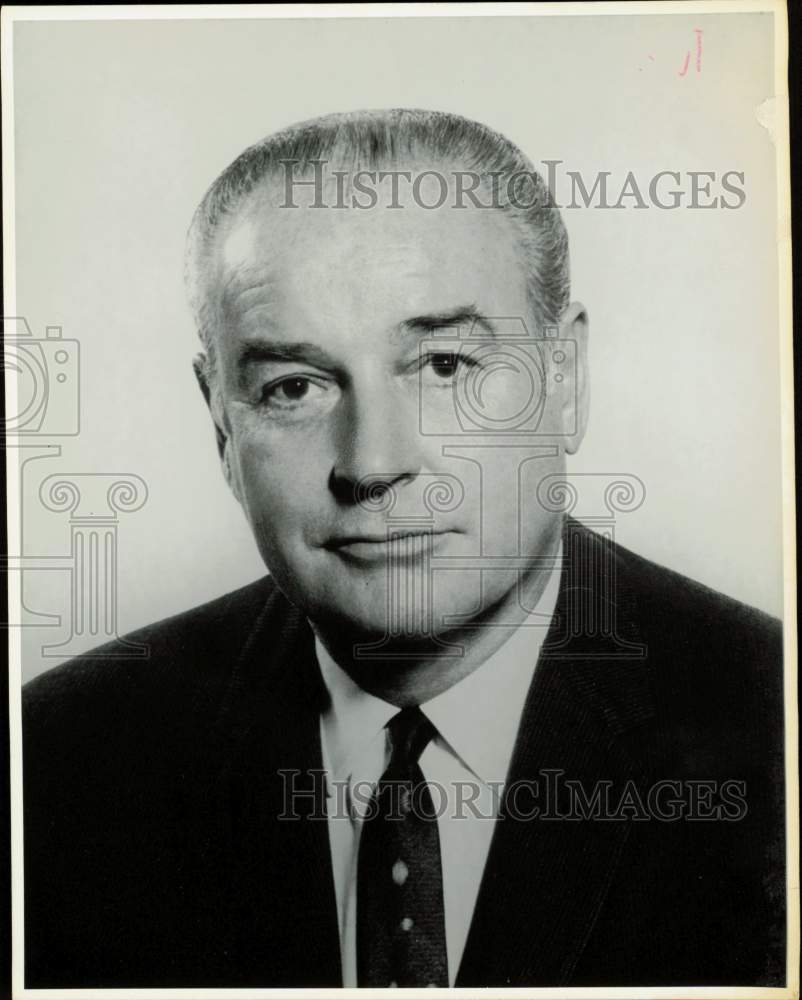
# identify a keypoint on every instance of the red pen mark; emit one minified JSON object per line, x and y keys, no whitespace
{"x":684,"y":70}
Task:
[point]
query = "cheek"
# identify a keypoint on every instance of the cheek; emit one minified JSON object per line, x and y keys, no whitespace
{"x":282,"y":481}
{"x":511,"y":506}
{"x":542,"y":497}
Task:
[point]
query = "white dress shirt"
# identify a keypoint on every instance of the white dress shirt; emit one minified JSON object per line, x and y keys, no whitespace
{"x":477,"y":722}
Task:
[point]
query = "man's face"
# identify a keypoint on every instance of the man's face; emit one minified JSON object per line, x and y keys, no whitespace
{"x":340,"y":415}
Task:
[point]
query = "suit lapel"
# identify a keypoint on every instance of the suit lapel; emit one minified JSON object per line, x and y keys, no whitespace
{"x":546,"y":879}
{"x":274,"y":848}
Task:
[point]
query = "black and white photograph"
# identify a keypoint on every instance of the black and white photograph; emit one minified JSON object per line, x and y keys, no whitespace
{"x":399,"y":448}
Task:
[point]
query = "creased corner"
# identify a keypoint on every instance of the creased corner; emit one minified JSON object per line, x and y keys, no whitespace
{"x":766,"y":114}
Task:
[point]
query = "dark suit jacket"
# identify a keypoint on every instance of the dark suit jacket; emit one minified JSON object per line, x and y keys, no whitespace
{"x":154,"y":857}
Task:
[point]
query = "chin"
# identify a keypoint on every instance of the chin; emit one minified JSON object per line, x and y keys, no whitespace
{"x":376,"y":614}
{"x":359,"y":622}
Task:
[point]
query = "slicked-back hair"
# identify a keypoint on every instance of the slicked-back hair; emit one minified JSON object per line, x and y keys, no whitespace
{"x":388,"y":140}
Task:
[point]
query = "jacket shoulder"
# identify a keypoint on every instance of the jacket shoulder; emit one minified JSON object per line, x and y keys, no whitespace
{"x":197,"y":645}
{"x":711,"y":665}
{"x":665,"y":596}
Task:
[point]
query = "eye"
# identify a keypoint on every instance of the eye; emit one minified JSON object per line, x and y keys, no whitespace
{"x":292,"y":389}
{"x":443,"y":367}
{"x":293,"y":392}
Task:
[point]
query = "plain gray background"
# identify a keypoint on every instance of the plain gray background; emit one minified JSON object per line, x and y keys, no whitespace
{"x":121,"y":126}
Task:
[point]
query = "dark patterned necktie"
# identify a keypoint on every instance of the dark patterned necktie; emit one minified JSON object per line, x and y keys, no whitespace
{"x":401,"y":936}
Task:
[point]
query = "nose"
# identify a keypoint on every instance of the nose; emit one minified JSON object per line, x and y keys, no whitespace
{"x":379,"y":447}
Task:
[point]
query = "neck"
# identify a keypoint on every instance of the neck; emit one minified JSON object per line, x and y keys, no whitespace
{"x":412,"y":672}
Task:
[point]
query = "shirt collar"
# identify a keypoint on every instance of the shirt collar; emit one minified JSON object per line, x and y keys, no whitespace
{"x":477,"y":717}
{"x":354,"y":719}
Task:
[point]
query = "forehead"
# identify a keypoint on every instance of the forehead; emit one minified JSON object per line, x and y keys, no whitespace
{"x":383,"y":260}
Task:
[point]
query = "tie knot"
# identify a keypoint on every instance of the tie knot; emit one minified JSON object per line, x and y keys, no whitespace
{"x":410,"y":732}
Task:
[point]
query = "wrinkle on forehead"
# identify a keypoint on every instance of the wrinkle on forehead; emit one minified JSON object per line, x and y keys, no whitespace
{"x":243,"y":280}
{"x":338,"y":257}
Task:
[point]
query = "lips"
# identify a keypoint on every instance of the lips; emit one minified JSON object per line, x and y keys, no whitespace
{"x":401,"y":546}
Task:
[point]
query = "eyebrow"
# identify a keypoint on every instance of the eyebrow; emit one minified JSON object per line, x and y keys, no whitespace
{"x":259,"y":351}
{"x":461,"y":316}
{"x":256,"y":351}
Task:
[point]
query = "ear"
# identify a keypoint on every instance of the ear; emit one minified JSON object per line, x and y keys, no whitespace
{"x":211,"y":394}
{"x":576,"y":401}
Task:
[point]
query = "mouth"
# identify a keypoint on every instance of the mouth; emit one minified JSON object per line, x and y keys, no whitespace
{"x":406,"y":546}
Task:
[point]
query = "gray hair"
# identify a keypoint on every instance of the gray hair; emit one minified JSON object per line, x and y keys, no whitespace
{"x":382,"y":139}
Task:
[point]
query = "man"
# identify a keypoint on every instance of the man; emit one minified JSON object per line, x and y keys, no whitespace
{"x":455,"y":738}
